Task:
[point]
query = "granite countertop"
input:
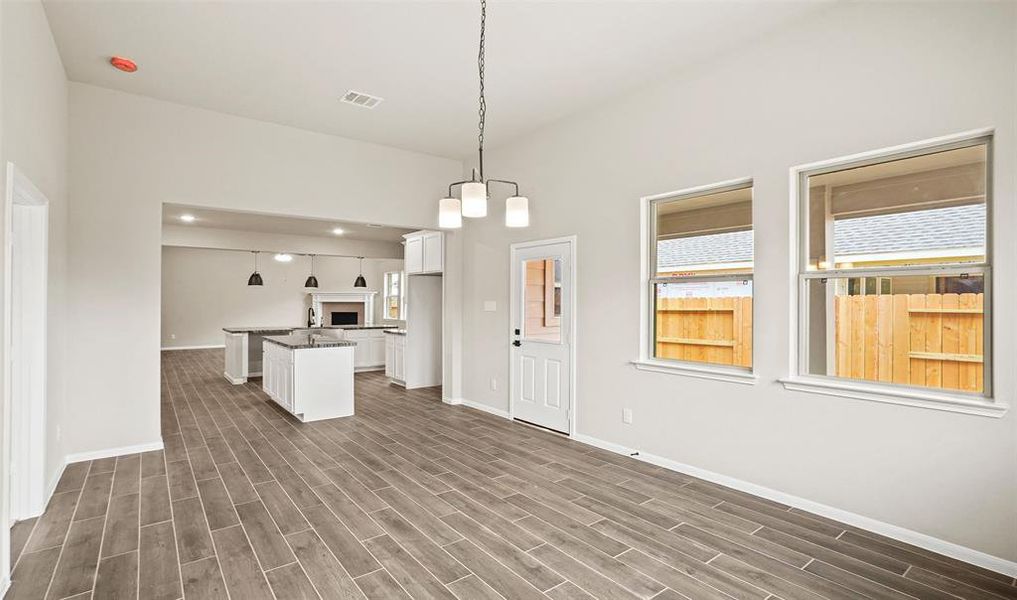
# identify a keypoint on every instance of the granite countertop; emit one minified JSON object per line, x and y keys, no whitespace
{"x":353,"y":327}
{"x":396,"y":331}
{"x":302,"y":341}
{"x":288,"y":329}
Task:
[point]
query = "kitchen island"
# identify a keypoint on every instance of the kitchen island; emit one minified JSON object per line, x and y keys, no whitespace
{"x":244,"y":347}
{"x":309,"y":375}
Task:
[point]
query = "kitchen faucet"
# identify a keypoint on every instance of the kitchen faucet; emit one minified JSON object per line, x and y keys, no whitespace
{"x":310,"y":316}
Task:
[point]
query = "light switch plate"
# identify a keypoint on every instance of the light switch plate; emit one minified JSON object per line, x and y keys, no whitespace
{"x":490,"y":306}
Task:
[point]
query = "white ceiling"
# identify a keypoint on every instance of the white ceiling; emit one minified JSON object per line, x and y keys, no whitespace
{"x":263,"y":223}
{"x":289,"y":61}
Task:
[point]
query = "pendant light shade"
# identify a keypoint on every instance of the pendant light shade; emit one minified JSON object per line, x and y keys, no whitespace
{"x":312,"y":281}
{"x":517,"y":212}
{"x":255,"y":278}
{"x":450,"y":214}
{"x":360,"y":282}
{"x":474,"y":199}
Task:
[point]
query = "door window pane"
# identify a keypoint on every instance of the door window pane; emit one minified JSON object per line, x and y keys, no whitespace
{"x":542,"y":301}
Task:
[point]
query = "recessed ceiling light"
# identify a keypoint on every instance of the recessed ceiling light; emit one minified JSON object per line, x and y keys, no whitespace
{"x":282,"y":257}
{"x":123,"y":64}
{"x":338,"y":231}
{"x":187,"y":218}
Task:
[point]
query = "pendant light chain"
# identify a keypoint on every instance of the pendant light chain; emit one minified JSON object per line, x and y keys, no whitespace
{"x":475,"y":190}
{"x":483,"y":101}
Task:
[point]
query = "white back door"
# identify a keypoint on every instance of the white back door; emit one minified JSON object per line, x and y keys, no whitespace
{"x":541,"y":350}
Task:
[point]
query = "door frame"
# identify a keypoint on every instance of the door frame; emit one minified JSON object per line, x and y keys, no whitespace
{"x":515,"y":290}
{"x":21,"y":194}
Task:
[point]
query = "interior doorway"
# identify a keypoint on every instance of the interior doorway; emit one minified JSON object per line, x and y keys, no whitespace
{"x":26,"y":219}
{"x":542,"y":370}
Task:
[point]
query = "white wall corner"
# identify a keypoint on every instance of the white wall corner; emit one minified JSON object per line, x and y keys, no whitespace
{"x":950,"y":549}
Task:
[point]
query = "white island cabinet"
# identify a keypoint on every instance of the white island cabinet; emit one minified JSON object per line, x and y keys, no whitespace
{"x":311,"y":376}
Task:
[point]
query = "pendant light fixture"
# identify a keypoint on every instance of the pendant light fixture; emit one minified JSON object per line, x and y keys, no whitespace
{"x":475,"y":191}
{"x":360,"y":282}
{"x":255,"y":278}
{"x":312,"y":281}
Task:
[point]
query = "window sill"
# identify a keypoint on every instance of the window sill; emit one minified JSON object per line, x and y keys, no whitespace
{"x":702,"y":372}
{"x":945,"y":401}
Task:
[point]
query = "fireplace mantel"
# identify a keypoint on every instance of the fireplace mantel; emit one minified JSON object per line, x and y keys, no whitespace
{"x":367,"y":298}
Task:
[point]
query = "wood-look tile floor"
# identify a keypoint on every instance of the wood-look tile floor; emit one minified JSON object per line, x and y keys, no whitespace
{"x":413,"y":498}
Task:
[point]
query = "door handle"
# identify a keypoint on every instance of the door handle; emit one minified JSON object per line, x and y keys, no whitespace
{"x":517,"y":343}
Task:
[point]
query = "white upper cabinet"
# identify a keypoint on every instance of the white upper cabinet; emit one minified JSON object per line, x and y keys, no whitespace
{"x":424,"y":252}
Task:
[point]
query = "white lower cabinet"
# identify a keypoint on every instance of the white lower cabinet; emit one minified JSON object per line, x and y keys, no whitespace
{"x":310,"y":383}
{"x":370,"y":349}
{"x":395,"y":358}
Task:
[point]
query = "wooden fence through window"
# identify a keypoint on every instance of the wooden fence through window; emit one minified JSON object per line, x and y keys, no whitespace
{"x":713,"y":330}
{"x":932,"y":340}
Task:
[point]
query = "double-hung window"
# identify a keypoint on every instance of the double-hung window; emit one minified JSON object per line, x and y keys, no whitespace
{"x":699,"y":279}
{"x":895,"y":263}
{"x":394,"y":296}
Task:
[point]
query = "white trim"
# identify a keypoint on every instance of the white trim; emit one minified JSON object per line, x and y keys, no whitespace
{"x":646,"y":361}
{"x":205,"y":347}
{"x":366,"y":298}
{"x":111,"y":452}
{"x":234,"y":380}
{"x":969,"y":404}
{"x":20,"y":191}
{"x":911,"y":254}
{"x":716,"y":373}
{"x":920,"y":145}
{"x":573,"y":242}
{"x":889,"y":530}
{"x":797,"y":378}
{"x":481,"y":407}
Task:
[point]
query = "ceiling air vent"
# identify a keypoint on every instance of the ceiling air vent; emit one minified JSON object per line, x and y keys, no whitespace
{"x":361,"y":100}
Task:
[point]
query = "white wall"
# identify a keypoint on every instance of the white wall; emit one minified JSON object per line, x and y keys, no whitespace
{"x":129,"y":155}
{"x":204,"y":290}
{"x":855,"y":77}
{"x":33,"y":110}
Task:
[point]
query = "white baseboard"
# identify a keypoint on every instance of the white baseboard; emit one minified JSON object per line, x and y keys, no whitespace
{"x":208,"y":347}
{"x":477,"y":405}
{"x":234,"y":380}
{"x":110,"y":452}
{"x":889,"y":530}
{"x":96,"y":454}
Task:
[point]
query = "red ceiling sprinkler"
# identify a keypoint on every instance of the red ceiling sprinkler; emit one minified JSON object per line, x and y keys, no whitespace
{"x":124,"y":64}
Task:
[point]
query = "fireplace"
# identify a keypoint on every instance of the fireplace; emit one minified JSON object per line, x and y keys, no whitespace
{"x":340,"y":317}
{"x":343,"y":308}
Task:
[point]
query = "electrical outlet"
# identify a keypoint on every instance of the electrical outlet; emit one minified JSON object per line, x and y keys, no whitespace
{"x":490,"y":306}
{"x":173,"y":336}
{"x":627,"y":415}
{"x":494,"y":384}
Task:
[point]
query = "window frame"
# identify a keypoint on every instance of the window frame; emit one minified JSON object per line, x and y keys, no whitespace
{"x":647,"y":360}
{"x":981,"y":403}
{"x":386,"y":282}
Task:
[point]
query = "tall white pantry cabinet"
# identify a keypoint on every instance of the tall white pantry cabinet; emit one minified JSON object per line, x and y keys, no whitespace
{"x":413,"y":356}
